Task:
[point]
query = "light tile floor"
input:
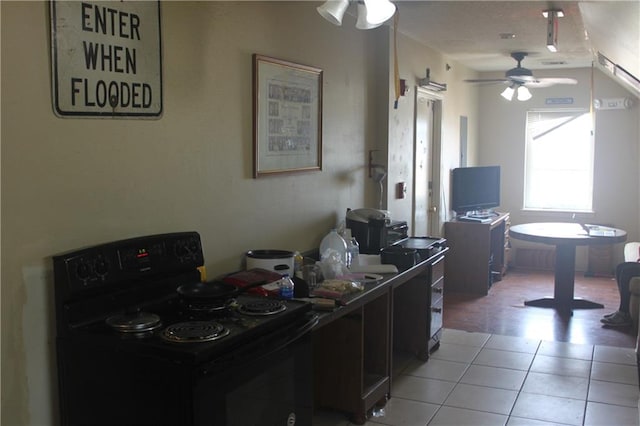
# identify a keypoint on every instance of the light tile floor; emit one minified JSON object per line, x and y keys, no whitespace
{"x":483,"y":379}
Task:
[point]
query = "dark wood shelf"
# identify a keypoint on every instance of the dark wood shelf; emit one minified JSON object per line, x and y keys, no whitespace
{"x":354,"y":345}
{"x":479,"y":254}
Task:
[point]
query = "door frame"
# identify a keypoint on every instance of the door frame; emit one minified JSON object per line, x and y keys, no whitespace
{"x":435,"y":196}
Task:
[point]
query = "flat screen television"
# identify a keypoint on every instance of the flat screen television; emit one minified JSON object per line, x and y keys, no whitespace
{"x":475,"y":189}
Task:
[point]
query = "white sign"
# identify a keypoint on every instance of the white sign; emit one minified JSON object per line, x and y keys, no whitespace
{"x":106,"y":58}
{"x":558,"y":101}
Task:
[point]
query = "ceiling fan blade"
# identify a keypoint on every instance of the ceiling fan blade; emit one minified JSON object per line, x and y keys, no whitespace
{"x":522,"y":79}
{"x":488,"y":80}
{"x":547,"y":82}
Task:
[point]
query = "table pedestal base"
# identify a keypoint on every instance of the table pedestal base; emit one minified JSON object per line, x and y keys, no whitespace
{"x":576,"y":303}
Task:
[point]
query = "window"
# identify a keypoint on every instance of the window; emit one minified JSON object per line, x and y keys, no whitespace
{"x":559,"y":161}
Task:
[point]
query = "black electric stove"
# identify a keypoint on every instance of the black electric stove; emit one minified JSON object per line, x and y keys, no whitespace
{"x":131,"y":351}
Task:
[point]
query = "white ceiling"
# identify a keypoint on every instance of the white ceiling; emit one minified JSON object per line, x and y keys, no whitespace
{"x":470,"y":32}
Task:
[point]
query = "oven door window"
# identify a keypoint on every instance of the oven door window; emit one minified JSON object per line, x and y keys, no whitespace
{"x":274,"y":389}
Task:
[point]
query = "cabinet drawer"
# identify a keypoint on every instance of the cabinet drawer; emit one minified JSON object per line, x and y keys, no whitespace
{"x":436,"y":316}
{"x":437,"y":289}
{"x":437,"y":270}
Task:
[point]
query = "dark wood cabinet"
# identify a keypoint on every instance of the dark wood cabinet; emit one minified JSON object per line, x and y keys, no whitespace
{"x":479,"y":254}
{"x":352,"y":360}
{"x":354,"y":346}
{"x":436,"y":303}
{"x":417,"y":312}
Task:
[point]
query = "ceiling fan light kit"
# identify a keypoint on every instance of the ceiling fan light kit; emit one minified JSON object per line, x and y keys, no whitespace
{"x":520,"y":79}
{"x":371,"y":13}
{"x":521,"y":93}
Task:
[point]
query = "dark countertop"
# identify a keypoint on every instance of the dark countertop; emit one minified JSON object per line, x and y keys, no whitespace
{"x":373,"y":290}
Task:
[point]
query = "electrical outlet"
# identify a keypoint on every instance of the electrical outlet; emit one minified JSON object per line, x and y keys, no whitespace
{"x":401,"y":190}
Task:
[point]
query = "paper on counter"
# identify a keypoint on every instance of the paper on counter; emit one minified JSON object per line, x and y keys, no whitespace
{"x":374,"y":269}
{"x":369,"y":259}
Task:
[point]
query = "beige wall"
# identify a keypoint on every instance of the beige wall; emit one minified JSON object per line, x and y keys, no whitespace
{"x":460,"y":99}
{"x":68,"y":183}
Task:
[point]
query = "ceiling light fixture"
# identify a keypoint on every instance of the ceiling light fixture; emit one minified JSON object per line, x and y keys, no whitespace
{"x":524,"y":94}
{"x":427,"y":83}
{"x":520,"y":91}
{"x":508,"y":93}
{"x":333,"y":11}
{"x":552,"y":16}
{"x":371,"y":13}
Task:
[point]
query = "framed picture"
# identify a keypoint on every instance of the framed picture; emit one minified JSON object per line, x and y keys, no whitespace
{"x":287,"y":117}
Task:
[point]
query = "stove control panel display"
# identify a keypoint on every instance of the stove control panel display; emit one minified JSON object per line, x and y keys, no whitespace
{"x":114,"y":264}
{"x":141,"y":257}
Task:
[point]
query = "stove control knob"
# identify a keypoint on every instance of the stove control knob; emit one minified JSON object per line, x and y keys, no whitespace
{"x":193,"y":244}
{"x":181,"y":249}
{"x":101,"y":266}
{"x":187,"y":250}
{"x":83,"y":271}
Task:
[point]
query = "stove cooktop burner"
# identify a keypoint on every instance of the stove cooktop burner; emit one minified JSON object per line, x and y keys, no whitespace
{"x":194,"y":331}
{"x":262,"y":307}
{"x":206,"y":307}
{"x":136,"y":322}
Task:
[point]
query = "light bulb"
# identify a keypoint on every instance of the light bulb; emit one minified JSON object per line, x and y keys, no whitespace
{"x":333,"y":10}
{"x":508,"y":93}
{"x":377,"y":12}
{"x":523,"y":94}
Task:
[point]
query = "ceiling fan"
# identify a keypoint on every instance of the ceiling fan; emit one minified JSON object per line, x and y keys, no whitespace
{"x":523,"y":77}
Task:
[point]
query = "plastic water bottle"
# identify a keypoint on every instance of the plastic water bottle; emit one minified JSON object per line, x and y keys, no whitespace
{"x":354,"y":252}
{"x":286,"y":287}
{"x":333,"y":242}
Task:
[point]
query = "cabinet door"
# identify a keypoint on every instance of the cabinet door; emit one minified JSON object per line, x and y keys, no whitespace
{"x":436,"y":323}
{"x":475,"y":250}
{"x":436,"y":304}
{"x":352,"y":360}
{"x":411,"y":316}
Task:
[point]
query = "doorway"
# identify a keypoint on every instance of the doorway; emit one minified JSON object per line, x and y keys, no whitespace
{"x":426,"y":170}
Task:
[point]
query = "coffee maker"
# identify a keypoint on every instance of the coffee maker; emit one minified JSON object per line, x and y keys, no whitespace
{"x":374,"y":229}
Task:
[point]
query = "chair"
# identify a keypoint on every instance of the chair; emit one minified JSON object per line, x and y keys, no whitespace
{"x":631,"y":254}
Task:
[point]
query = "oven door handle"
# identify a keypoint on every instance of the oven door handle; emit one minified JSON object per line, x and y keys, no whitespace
{"x":261,"y":348}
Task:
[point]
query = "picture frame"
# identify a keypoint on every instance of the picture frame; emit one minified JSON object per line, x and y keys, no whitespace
{"x":287,"y":117}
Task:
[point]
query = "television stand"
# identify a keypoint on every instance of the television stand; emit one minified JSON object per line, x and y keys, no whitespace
{"x":478,"y":253}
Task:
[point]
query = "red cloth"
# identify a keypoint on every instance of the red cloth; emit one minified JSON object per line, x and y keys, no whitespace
{"x":251,"y":276}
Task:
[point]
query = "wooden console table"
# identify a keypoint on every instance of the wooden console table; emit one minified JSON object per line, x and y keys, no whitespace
{"x":479,"y":254}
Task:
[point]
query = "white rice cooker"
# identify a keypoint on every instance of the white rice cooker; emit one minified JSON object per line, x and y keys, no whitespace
{"x":280,"y":261}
